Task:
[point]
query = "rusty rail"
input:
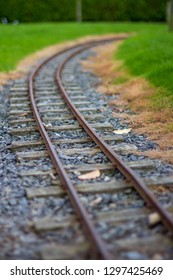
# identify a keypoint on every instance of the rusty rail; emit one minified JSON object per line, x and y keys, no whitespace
{"x":129,"y":174}
{"x":98,"y":247}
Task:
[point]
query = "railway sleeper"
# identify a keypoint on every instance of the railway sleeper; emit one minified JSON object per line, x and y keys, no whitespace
{"x":123,"y":147}
{"x":112,"y":217}
{"x":98,"y":187}
{"x":14,"y":121}
{"x":24,"y":130}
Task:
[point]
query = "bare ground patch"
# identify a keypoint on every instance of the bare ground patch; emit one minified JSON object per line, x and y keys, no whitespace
{"x":133,"y":93}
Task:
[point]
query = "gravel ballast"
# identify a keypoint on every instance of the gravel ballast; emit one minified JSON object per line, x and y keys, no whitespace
{"x":18,"y":240}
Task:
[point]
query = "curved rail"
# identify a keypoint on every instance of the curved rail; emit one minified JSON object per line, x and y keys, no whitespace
{"x":130,"y":175}
{"x":99,"y":247}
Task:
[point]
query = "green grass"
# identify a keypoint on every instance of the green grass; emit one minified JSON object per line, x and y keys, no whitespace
{"x":150,"y":55}
{"x":16,"y":42}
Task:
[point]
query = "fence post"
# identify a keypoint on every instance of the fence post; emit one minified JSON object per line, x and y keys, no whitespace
{"x":170,"y":16}
{"x":79,"y":10}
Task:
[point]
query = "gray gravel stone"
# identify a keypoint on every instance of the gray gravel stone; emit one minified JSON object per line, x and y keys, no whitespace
{"x":134,"y":256}
{"x":17,"y":236}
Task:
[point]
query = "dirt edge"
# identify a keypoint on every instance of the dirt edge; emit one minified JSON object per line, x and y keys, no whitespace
{"x":134,"y":93}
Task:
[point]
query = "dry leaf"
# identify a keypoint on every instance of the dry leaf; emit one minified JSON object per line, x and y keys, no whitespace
{"x":53,"y":177}
{"x":161,"y":189}
{"x":47,"y":125}
{"x":122,"y":131}
{"x":91,"y":175}
{"x":22,"y":115}
{"x":96,"y":201}
{"x":154,"y":219}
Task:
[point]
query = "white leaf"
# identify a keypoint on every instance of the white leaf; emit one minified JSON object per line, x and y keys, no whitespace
{"x":122,"y":131}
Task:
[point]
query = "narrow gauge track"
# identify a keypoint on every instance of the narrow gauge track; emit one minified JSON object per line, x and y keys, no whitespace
{"x":98,"y":244}
{"x":100,"y":249}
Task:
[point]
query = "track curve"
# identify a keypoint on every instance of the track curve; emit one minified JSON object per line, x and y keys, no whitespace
{"x":97,"y":243}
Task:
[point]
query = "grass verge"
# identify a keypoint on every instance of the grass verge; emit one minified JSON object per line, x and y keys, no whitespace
{"x":16,"y":42}
{"x":150,"y":56}
{"x":137,"y":93}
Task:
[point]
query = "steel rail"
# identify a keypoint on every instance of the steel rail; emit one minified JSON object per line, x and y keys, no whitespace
{"x":99,"y":246}
{"x":129,"y":174}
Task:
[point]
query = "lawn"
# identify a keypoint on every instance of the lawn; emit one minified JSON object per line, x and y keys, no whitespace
{"x":148,"y":54}
{"x":17,"y":41}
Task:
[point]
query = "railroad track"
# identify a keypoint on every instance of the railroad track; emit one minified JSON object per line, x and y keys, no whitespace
{"x":73,"y":133}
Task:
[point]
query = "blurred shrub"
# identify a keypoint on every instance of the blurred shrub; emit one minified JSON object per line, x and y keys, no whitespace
{"x":93,"y":10}
{"x":38,"y":10}
{"x":124,"y":10}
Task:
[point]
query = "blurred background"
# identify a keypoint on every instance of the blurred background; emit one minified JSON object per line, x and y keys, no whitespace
{"x":87,"y":10}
